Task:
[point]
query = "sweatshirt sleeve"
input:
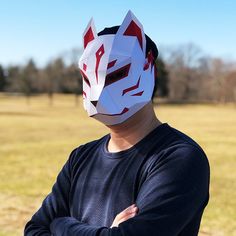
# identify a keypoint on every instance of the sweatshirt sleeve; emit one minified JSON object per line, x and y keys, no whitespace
{"x":175,"y":191}
{"x":54,"y":205}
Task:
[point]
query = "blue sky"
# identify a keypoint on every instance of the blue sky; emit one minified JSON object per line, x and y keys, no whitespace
{"x":43,"y":29}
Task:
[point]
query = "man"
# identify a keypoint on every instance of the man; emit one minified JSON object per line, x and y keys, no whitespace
{"x":145,"y":177}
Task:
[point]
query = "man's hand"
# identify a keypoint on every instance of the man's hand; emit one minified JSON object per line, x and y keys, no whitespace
{"x":127,"y":213}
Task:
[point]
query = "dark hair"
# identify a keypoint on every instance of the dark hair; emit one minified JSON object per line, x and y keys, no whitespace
{"x":150,"y":45}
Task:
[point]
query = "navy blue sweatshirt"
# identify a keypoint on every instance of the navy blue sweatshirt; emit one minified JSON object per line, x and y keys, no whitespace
{"x":166,"y":174}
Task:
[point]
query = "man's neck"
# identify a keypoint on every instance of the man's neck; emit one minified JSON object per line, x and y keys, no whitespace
{"x":127,"y":134}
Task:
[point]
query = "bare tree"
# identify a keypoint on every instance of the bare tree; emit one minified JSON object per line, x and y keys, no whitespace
{"x":13,"y":79}
{"x":28,"y":79}
{"x":230,"y":87}
{"x":74,"y":72}
{"x":2,"y":79}
{"x":183,"y":65}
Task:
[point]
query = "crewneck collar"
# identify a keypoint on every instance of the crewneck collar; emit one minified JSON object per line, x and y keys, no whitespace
{"x":158,"y":133}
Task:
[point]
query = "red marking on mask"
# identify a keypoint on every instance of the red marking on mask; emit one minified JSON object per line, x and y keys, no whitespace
{"x":84,"y":67}
{"x":138,"y":94}
{"x":131,"y":88}
{"x":134,"y":30}
{"x":85,"y":78}
{"x":117,"y":114}
{"x":124,"y":110}
{"x":84,"y":94}
{"x":111,"y":64}
{"x":99,"y":55}
{"x":150,"y":60}
{"x":88,"y":37}
{"x":146,"y":66}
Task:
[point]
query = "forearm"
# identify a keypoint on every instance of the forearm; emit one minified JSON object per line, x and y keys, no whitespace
{"x":32,"y":229}
{"x":54,"y":205}
{"x":68,"y":226}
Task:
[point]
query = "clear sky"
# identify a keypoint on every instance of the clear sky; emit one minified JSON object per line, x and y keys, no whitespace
{"x":43,"y":29}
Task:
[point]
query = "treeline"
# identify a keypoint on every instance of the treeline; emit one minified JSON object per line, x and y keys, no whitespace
{"x":193,"y":76}
{"x":55,"y":77}
{"x":184,"y":74}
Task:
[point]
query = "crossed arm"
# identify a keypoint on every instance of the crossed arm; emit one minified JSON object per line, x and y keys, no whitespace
{"x":175,"y":192}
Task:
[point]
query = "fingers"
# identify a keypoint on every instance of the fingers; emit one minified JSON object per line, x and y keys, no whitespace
{"x":130,"y":207}
{"x":126,"y":217}
{"x":128,"y":212}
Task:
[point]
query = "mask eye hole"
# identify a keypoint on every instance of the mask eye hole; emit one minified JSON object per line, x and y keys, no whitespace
{"x":117,"y":75}
{"x":85,"y":78}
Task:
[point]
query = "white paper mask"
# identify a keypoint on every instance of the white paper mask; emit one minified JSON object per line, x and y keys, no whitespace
{"x":118,"y":79}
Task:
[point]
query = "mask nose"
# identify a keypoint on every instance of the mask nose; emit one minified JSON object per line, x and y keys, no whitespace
{"x":94,"y":103}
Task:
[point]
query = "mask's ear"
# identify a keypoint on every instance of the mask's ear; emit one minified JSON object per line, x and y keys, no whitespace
{"x":132,"y":27}
{"x":90,"y":33}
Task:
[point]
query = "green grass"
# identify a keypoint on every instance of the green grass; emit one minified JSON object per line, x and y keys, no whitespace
{"x":36,"y":139}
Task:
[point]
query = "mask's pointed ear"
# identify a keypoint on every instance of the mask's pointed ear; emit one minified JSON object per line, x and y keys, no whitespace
{"x":90,"y":33}
{"x":132,"y":27}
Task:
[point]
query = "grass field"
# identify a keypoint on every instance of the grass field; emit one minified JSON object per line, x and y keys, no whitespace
{"x":36,"y":139}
